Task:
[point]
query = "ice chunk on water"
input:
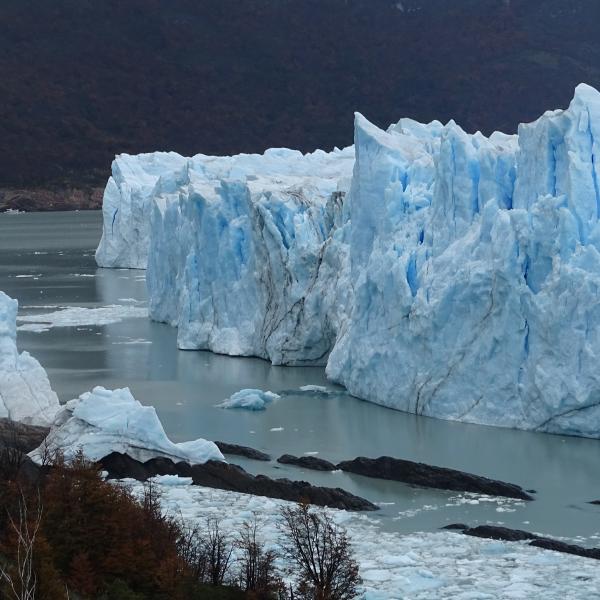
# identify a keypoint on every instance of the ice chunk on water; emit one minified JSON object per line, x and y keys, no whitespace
{"x":250,"y":399}
{"x":104,"y":421}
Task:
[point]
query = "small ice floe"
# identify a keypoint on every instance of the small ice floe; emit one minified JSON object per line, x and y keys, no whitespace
{"x":276,"y":429}
{"x":321,"y":389}
{"x":132,"y":342}
{"x":249,"y":399}
{"x":77,"y":316}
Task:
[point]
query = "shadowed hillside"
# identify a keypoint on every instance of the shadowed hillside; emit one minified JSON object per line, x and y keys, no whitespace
{"x":81,"y":80}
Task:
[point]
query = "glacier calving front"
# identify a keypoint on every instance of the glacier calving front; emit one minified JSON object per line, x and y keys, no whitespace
{"x":447,"y":274}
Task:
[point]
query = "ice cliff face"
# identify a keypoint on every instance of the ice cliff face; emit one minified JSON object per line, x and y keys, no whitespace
{"x":126,"y":206}
{"x":453,"y":275}
{"x":493,"y":315}
{"x":25,"y":392}
{"x":253,"y":234}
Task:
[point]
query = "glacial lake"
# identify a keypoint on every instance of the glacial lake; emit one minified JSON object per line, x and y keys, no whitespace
{"x":47,"y":262}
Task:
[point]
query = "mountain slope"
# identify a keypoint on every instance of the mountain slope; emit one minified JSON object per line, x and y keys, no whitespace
{"x":82,"y":80}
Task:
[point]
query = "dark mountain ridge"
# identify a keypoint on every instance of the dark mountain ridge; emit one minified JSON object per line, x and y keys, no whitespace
{"x":82,"y":80}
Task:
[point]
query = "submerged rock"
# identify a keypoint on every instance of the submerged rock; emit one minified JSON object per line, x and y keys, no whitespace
{"x":413,"y":473}
{"x":230,"y":477}
{"x":308,"y":462}
{"x":245,"y":451}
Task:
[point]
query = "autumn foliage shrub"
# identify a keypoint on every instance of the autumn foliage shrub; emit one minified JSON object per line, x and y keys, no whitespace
{"x":96,"y":540}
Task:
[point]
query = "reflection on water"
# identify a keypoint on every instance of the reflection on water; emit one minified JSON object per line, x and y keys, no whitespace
{"x":184,"y":387}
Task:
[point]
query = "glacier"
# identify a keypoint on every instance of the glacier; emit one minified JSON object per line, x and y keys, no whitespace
{"x":104,"y":421}
{"x":433,"y":271}
{"x":25,"y":392}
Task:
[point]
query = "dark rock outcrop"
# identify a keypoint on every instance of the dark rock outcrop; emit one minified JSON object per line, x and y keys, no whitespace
{"x":20,"y":436}
{"x":500,"y":533}
{"x":245,"y":451}
{"x":230,"y":477}
{"x":420,"y":474}
{"x":308,"y":462}
{"x":506,"y":534}
{"x":456,"y":526}
{"x":595,"y":502}
{"x":557,"y":546}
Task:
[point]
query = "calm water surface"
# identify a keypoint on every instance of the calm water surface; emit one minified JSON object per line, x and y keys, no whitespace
{"x":47,"y":260}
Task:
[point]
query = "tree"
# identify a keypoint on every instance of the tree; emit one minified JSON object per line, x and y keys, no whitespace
{"x":320,"y":551}
{"x":22,"y":582}
{"x":257,"y":571}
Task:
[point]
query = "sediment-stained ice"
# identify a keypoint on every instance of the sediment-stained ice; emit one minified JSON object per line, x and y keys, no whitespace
{"x":25,"y":392}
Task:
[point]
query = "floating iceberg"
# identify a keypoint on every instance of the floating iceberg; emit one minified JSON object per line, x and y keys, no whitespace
{"x":451,"y":275}
{"x":25,"y":392}
{"x":249,"y":399}
{"x":104,"y":421}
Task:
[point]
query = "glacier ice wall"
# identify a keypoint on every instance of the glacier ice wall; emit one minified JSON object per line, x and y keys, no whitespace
{"x":433,"y":271}
{"x":25,"y":392}
{"x":126,"y":206}
{"x":495,"y":318}
{"x":252,"y":237}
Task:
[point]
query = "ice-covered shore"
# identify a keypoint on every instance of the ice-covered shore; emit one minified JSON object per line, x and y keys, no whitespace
{"x":449,"y":275}
{"x":25,"y":392}
{"x":442,"y":565}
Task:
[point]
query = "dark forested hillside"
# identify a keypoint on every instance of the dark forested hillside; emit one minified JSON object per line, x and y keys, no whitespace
{"x":81,"y":80}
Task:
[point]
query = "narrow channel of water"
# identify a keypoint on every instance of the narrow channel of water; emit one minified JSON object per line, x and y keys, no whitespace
{"x":47,"y":260}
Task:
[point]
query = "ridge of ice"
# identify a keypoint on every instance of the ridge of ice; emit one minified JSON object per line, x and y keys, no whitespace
{"x":104,"y":421}
{"x":25,"y":392}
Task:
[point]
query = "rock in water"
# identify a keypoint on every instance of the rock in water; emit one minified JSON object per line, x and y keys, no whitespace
{"x":413,"y":473}
{"x":245,"y":451}
{"x":225,"y":476}
{"x":494,"y":532}
{"x":25,"y":392}
{"x":308,"y":462}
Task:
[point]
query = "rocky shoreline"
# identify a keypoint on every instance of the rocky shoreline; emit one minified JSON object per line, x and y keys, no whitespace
{"x":506,"y":534}
{"x":230,"y":477}
{"x":50,"y":199}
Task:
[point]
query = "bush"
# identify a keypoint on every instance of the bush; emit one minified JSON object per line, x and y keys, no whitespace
{"x":257,"y":572}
